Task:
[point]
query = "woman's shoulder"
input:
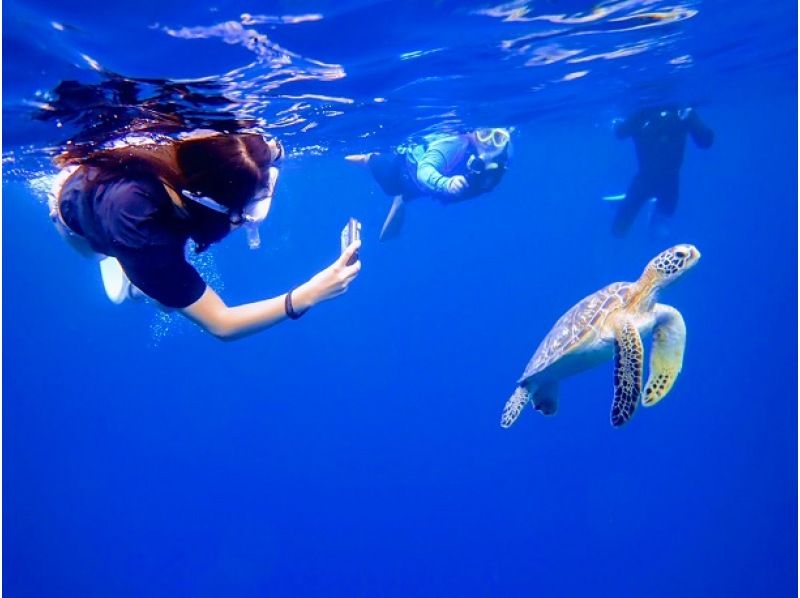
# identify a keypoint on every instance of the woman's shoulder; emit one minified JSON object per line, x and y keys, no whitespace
{"x":128,"y":200}
{"x":59,"y":180}
{"x":138,"y":191}
{"x":143,"y":186}
{"x":140,"y":210}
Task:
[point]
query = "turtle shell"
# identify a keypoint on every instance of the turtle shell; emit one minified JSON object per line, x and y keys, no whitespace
{"x":579,"y":325}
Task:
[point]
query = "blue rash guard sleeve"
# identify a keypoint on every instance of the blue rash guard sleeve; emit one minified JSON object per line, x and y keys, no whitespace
{"x":439,"y":162}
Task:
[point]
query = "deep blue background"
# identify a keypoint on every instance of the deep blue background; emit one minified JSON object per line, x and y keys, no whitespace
{"x":358,"y":452}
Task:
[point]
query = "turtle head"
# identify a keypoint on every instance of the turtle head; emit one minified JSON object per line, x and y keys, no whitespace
{"x":671,"y":263}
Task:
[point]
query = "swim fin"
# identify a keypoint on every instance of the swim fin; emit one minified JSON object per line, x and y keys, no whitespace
{"x":116,"y":283}
{"x":393,"y":224}
{"x":621,"y":197}
{"x":357,"y":158}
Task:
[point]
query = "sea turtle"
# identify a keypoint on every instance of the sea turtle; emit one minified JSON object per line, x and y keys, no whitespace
{"x":612,"y":322}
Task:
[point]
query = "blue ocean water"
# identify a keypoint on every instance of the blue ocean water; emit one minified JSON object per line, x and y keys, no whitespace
{"x":357,"y":451}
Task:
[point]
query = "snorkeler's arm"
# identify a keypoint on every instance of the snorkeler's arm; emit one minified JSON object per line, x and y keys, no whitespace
{"x":702,"y":134}
{"x":229,"y":323}
{"x":429,"y":171}
{"x":435,"y":161}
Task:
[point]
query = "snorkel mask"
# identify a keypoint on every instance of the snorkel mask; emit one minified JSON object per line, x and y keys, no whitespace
{"x":254,"y":212}
{"x":499,"y":138}
{"x":491,"y":151}
{"x":492,"y":142}
{"x":488,"y":163}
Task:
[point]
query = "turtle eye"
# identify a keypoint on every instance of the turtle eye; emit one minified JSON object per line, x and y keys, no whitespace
{"x":680,"y":254}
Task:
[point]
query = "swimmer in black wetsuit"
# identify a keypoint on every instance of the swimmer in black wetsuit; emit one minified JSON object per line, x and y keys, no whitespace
{"x":659,"y":135}
{"x":137,"y":206}
{"x":449,"y":168}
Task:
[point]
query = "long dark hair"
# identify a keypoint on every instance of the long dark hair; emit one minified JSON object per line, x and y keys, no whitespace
{"x":228,"y":168}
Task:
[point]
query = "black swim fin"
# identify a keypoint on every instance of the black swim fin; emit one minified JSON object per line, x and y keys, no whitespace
{"x":393,"y":224}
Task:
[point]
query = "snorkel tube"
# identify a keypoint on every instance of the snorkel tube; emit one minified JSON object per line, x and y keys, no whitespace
{"x":256,"y":211}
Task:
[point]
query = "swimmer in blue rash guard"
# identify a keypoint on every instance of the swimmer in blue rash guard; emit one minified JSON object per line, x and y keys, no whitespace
{"x":659,"y":135}
{"x":135,"y":207}
{"x":449,"y":168}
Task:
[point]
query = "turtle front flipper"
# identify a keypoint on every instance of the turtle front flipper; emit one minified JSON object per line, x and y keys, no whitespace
{"x":514,"y":406}
{"x":628,"y":369}
{"x":666,"y":354}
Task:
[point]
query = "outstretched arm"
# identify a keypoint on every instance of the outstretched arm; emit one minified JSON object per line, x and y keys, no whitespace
{"x":229,"y":323}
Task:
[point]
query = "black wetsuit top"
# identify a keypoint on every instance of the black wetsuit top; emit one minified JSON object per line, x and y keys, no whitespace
{"x":660,"y":138}
{"x":134,"y":220}
{"x":659,"y":135}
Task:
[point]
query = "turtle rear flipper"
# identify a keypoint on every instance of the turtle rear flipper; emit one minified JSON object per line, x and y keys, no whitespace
{"x":545,"y":399}
{"x":514,"y":406}
{"x":628,"y":369}
{"x":666,"y":353}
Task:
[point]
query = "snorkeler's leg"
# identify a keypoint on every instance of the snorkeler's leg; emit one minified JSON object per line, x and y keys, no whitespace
{"x":634,"y":200}
{"x":666,"y":205}
{"x":393,"y":224}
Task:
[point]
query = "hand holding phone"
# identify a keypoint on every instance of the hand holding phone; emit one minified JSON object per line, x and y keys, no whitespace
{"x":350,"y":233}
